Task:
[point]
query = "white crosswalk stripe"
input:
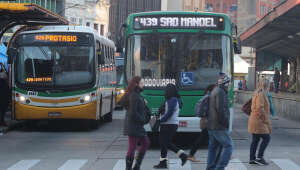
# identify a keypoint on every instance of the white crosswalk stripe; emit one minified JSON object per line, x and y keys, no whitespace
{"x":74,"y":164}
{"x":24,"y":165}
{"x":236,"y":164}
{"x":175,"y":164}
{"x":286,"y":164}
{"x":120,"y":165}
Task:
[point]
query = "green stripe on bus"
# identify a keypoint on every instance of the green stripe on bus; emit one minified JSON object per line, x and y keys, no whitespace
{"x":64,"y":94}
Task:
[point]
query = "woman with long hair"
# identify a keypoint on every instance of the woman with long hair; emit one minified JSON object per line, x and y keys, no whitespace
{"x":135,"y":119}
{"x":259,"y":124}
{"x":168,"y":127}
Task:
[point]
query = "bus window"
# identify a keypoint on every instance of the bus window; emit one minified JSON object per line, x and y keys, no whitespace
{"x":99,"y":53}
{"x":172,"y":56}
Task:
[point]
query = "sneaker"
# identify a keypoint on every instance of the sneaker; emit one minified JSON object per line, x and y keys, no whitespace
{"x":252,"y":162}
{"x":261,"y":161}
{"x":192,"y":159}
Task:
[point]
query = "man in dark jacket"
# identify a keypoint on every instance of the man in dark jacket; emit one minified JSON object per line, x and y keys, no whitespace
{"x":4,"y":99}
{"x":218,"y":125}
{"x":276,"y":79}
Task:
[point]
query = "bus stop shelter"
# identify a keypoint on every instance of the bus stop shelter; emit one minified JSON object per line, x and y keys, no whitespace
{"x":276,"y":38}
{"x":13,"y":14}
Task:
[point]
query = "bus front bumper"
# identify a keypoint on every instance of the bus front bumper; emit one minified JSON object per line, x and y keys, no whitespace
{"x":186,"y":124}
{"x":28,"y":112}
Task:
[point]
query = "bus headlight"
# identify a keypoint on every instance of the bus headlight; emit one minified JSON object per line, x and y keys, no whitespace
{"x":87,"y":98}
{"x":22,"y":98}
{"x":122,"y":91}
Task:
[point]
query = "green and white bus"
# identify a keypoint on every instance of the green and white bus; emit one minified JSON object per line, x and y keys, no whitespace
{"x":188,"y":49}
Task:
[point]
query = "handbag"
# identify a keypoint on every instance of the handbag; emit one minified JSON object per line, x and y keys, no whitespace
{"x":3,"y":72}
{"x":203,"y":123}
{"x":147,"y":114}
{"x":247,"y":107}
{"x":154,"y":123}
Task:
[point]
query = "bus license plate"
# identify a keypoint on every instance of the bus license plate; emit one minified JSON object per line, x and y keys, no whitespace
{"x":54,"y":114}
{"x":182,"y":124}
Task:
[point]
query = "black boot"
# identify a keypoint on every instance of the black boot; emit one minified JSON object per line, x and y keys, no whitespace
{"x":129,"y":161}
{"x":138,"y":161}
{"x":163,"y":164}
{"x":182,"y":156}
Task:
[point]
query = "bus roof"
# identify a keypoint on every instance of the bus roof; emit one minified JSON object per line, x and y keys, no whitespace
{"x":68,"y":28}
{"x":12,"y":14}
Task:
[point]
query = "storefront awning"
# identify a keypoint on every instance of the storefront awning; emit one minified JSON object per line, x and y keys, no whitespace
{"x":278,"y":32}
{"x":12,"y":14}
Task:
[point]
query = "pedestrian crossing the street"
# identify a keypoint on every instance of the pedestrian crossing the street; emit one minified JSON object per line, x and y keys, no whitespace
{"x":174,"y":164}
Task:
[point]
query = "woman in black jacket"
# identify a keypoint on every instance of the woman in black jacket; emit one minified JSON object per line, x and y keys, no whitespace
{"x":136,"y":118}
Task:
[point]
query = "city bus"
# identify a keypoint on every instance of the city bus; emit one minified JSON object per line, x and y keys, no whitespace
{"x":63,"y":72}
{"x":187,"y":49}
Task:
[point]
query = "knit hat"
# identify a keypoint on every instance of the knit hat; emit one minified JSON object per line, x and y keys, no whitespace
{"x":223,"y":79}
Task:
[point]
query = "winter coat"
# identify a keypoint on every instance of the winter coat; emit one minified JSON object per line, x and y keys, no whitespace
{"x":4,"y":91}
{"x":172,"y":109}
{"x":259,"y":120}
{"x":277,"y":77}
{"x":219,"y":114}
{"x":135,"y":117}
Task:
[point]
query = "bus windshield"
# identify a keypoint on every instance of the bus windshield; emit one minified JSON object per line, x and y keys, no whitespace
{"x":191,"y":61}
{"x":57,"y":66}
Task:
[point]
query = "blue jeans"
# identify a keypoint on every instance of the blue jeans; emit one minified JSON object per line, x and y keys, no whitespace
{"x":255,"y":140}
{"x":219,"y":139}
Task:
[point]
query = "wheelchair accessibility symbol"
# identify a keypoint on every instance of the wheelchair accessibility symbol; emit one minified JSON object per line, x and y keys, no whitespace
{"x":187,"y":78}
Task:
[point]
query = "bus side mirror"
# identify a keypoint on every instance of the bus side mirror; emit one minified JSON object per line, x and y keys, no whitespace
{"x":12,"y":53}
{"x":237,"y":45}
{"x":120,"y":38}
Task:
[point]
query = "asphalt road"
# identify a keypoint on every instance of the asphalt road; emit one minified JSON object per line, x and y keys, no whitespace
{"x":69,"y":145}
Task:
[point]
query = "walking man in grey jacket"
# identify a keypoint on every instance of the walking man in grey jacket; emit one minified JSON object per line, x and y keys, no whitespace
{"x":218,"y":124}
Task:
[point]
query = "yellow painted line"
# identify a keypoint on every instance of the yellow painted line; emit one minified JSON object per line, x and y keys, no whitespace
{"x":38,"y":100}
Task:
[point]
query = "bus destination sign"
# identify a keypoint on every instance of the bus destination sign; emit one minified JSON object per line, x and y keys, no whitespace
{"x":179,"y":22}
{"x":55,"y":38}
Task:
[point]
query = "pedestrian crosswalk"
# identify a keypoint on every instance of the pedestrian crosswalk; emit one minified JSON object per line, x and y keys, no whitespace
{"x":286,"y":164}
{"x":174,"y":164}
{"x":73,"y":164}
{"x":24,"y":165}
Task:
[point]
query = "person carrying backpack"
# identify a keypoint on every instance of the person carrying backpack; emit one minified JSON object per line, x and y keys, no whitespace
{"x":218,"y":125}
{"x":201,"y":112}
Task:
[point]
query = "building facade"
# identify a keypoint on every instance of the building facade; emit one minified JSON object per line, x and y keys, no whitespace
{"x":55,"y":6}
{"x":193,"y":5}
{"x":263,"y":7}
{"x":228,"y":7}
{"x":91,"y":13}
{"x":120,"y":9}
